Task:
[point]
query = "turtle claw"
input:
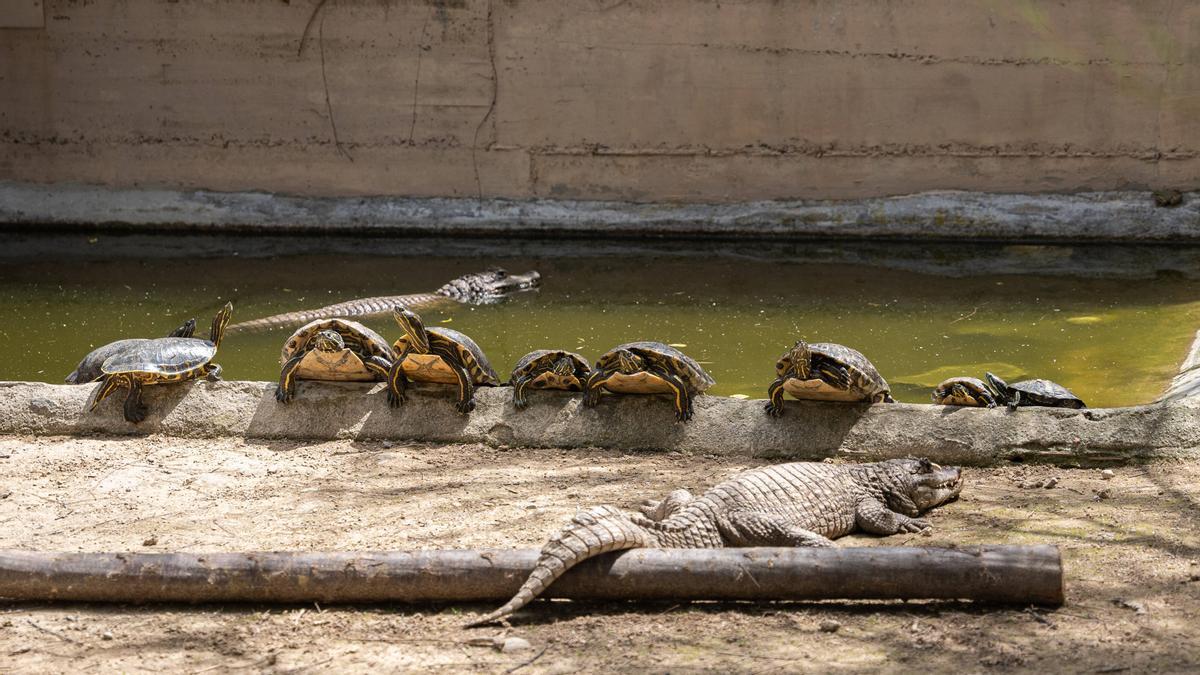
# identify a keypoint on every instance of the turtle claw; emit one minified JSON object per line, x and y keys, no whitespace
{"x":282,"y":395}
{"x":773,"y":410}
{"x":466,"y":406}
{"x":395,"y":398}
{"x":135,"y":414}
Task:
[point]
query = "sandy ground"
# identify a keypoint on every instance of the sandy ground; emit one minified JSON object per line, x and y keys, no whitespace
{"x":1132,"y":561}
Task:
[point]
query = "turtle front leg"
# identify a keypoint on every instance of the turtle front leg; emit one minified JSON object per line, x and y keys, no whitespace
{"x":1014,"y":401}
{"x":135,"y":410}
{"x":774,"y":405}
{"x":683,"y":398}
{"x":379,"y":367}
{"x":988,"y":400}
{"x":834,"y":375}
{"x":287,"y":379}
{"x":466,"y":390}
{"x":108,"y":385}
{"x":591,"y":391}
{"x":519,"y":386}
{"x":397,"y":382}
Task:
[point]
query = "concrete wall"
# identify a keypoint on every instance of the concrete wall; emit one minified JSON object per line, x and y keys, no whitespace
{"x":638,"y":100}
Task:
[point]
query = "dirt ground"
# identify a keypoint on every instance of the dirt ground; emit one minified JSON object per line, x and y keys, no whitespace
{"x":1132,"y":563}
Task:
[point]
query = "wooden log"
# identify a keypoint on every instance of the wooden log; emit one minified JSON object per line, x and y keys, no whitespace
{"x":994,"y":574}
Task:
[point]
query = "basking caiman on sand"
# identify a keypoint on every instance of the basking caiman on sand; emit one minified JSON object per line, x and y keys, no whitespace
{"x":799,"y":504}
{"x":477,"y":288}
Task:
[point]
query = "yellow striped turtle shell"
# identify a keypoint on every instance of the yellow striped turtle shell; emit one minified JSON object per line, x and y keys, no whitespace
{"x":431,"y":368}
{"x":345,"y":365}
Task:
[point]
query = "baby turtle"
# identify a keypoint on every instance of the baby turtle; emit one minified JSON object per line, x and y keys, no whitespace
{"x":161,"y":361}
{"x":968,"y":391}
{"x":648,"y":368}
{"x":825,"y":371}
{"x":88,"y":369}
{"x":437,"y":355}
{"x":332,"y":349}
{"x":548,"y":369}
{"x":1034,"y":392}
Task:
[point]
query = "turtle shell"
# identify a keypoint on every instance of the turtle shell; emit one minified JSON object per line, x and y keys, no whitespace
{"x":431,"y":368}
{"x":1046,"y":393}
{"x":542,"y":363}
{"x":866,"y":382}
{"x":344,"y":365}
{"x":163,"y":357}
{"x":674,"y":361}
{"x":974,"y":385}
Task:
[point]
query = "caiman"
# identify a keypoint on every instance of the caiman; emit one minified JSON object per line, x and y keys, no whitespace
{"x":477,"y":288}
{"x":798,"y":504}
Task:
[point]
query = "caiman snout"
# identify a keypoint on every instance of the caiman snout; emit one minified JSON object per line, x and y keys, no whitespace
{"x":490,"y":286}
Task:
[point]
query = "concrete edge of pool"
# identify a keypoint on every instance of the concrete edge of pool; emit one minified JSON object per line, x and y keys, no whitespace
{"x":1128,"y":216}
{"x":722,"y":425}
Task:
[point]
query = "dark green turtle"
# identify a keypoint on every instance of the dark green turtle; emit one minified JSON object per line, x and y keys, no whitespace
{"x":966,"y":391}
{"x":437,"y":355}
{"x":648,"y":368}
{"x":1034,"y":392}
{"x":548,"y":369}
{"x":332,"y":349}
{"x":88,"y":369}
{"x":160,"y":361}
{"x":826,"y":371}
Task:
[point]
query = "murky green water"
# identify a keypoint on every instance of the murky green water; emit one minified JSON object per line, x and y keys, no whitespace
{"x":1114,"y":341}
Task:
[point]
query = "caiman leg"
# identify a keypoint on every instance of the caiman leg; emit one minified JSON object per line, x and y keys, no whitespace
{"x":519,"y":386}
{"x":135,"y":410}
{"x":656,"y":510}
{"x":683,"y":399}
{"x":397,"y":382}
{"x":774,"y":405}
{"x":875,"y":517}
{"x":287,"y":379}
{"x":591,"y":391}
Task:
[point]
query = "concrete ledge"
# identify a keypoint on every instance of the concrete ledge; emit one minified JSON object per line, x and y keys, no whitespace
{"x":722,"y":426}
{"x":1085,"y":217}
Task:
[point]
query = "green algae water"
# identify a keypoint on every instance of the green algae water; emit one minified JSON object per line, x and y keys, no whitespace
{"x":1111,"y":326}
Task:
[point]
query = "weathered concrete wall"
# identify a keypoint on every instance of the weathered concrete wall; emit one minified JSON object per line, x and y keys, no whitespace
{"x":635,"y":100}
{"x":721,"y":426}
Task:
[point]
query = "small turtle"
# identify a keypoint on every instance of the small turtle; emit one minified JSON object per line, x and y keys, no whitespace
{"x":332,"y":349}
{"x":1034,"y":392}
{"x":437,"y":355}
{"x":648,"y":368}
{"x":968,"y":391}
{"x":88,"y":369}
{"x":826,"y":371}
{"x":548,"y":369}
{"x":160,"y":361}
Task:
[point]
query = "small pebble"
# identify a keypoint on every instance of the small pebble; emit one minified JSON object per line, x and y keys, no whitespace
{"x":1106,"y":493}
{"x":150,"y":541}
{"x":388,"y":444}
{"x":106,"y":635}
{"x":1107,"y":474}
{"x":1051,"y":483}
{"x":829,"y":626}
{"x":514,"y":644}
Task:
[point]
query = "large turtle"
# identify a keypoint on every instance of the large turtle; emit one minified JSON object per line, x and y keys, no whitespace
{"x":332,"y":349}
{"x":826,"y":371}
{"x":548,"y":369}
{"x":648,"y":368}
{"x":437,"y":355}
{"x":88,"y":369}
{"x":1034,"y":392}
{"x":160,"y":361}
{"x":966,"y":391}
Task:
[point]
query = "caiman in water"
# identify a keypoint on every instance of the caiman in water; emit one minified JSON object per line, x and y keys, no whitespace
{"x":477,"y":288}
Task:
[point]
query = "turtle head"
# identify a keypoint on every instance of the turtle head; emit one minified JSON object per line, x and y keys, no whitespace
{"x":913,"y":486}
{"x":999,"y":387}
{"x":958,"y":391}
{"x":328,"y":341}
{"x":489,"y":286}
{"x":629,"y":363}
{"x":798,"y":360}
{"x":413,"y":327}
{"x":564,"y":367}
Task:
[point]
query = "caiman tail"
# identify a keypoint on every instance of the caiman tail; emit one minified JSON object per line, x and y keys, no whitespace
{"x":477,"y":288}
{"x":598,"y":530}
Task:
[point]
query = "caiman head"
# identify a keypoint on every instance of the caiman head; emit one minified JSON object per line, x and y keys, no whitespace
{"x":913,"y":486}
{"x":490,"y":286}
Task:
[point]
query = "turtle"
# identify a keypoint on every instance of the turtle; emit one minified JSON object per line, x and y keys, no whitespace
{"x":332,"y":349}
{"x":648,"y":368}
{"x":548,"y":369}
{"x":88,"y":370}
{"x":826,"y":371}
{"x":1034,"y":392}
{"x":161,"y":361}
{"x":968,"y":391}
{"x":437,"y":355}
